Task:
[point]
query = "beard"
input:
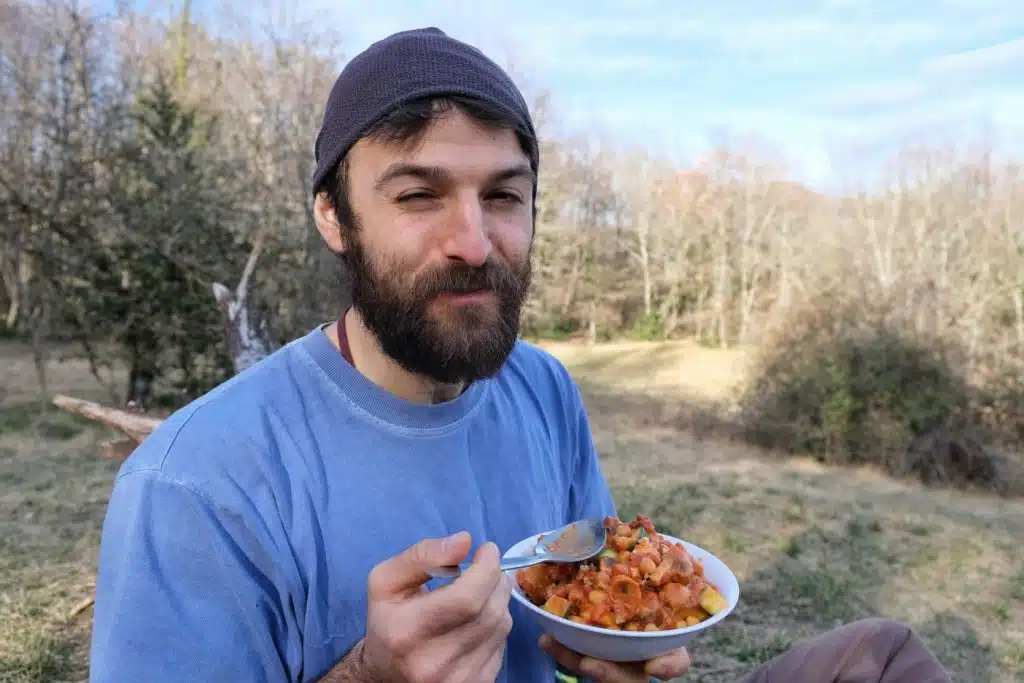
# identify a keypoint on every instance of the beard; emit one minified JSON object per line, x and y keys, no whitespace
{"x":425,"y":335}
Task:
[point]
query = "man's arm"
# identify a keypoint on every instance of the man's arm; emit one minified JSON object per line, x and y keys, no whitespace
{"x":350,"y":669}
{"x":187,"y":591}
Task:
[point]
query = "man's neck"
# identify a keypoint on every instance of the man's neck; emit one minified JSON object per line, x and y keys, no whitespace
{"x":369,"y":359}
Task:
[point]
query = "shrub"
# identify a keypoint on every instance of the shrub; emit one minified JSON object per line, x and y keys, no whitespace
{"x":647,"y":328}
{"x":848,"y":385}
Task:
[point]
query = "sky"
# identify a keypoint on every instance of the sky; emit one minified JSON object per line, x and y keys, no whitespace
{"x":833,"y":86}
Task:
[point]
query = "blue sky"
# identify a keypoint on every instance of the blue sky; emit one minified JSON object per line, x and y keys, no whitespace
{"x":832,"y":85}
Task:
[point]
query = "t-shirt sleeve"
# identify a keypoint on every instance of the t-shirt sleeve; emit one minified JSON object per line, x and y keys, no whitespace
{"x":186,"y":591}
{"x":589,"y":495}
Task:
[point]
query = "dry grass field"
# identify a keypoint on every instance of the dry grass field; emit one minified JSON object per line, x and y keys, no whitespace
{"x":812,"y":547}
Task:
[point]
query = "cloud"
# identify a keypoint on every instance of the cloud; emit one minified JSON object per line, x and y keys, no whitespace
{"x":1003,"y":57}
{"x":862,"y":98}
{"x":807,"y":75}
{"x":738,"y":36}
{"x":803,"y":33}
{"x":621,"y":64}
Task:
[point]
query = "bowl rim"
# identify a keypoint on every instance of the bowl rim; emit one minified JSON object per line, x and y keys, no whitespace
{"x":714,"y":619}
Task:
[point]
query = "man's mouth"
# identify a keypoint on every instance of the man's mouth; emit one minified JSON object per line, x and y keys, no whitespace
{"x":470,"y":296}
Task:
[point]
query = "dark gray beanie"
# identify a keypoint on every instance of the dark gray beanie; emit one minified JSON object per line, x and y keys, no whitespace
{"x":402,"y":67}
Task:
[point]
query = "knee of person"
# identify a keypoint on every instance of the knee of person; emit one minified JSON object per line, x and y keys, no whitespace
{"x":883,"y":627}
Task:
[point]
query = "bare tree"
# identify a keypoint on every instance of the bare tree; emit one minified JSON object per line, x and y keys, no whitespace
{"x":248,"y":333}
{"x":115,"y":226}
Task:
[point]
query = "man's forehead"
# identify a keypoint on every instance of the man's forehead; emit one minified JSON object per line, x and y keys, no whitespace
{"x":442,"y":175}
{"x":455,"y":151}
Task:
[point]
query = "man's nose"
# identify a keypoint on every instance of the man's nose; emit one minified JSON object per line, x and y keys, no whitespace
{"x":466,"y":237}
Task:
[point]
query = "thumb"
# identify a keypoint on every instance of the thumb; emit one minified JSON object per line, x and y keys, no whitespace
{"x":407,"y":571}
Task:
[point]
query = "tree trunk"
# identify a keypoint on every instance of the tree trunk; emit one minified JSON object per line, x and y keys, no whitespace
{"x":592,"y":325}
{"x":645,"y":268}
{"x":140,"y":380}
{"x":1018,"y":311}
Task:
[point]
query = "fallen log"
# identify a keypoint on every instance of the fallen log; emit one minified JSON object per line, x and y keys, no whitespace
{"x":134,"y":426}
{"x":118,"y":449}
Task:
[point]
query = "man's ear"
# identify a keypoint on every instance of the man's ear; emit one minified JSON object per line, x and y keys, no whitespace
{"x":327,"y":223}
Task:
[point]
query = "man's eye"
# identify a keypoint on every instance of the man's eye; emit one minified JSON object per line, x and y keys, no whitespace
{"x":414,"y":195}
{"x":505,"y":197}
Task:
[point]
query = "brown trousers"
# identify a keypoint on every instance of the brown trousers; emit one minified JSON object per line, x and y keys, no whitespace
{"x":866,"y":651}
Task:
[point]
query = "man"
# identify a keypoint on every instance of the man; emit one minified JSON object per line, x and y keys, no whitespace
{"x":281,"y":527}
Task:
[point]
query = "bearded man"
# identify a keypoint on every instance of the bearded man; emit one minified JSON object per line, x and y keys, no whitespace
{"x":281,"y":528}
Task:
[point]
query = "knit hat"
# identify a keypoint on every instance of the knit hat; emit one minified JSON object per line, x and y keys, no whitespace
{"x":402,"y":67}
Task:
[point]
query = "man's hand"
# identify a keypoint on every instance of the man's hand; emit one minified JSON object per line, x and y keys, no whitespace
{"x":663,"y":668}
{"x":456,"y":633}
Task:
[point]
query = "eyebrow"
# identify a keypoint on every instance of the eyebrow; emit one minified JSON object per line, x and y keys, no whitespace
{"x":439,"y":175}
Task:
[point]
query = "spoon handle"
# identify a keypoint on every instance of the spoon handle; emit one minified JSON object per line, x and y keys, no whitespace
{"x":520,"y":562}
{"x":507,"y":564}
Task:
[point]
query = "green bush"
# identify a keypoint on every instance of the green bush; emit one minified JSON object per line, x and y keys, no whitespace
{"x":647,"y":328}
{"x":550,"y":327}
{"x":850,"y":387}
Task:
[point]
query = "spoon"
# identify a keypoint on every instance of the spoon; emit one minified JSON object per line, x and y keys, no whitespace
{"x":574,"y":542}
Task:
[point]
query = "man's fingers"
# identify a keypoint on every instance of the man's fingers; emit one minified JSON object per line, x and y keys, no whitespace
{"x":464,"y":599}
{"x":407,"y":572}
{"x":663,"y":668}
{"x":483,"y":665}
{"x":563,"y":655}
{"x":492,"y":668}
{"x":462,"y":648}
{"x":491,"y":625}
{"x":669,"y":666}
{"x":613,"y":672}
{"x":490,"y":637}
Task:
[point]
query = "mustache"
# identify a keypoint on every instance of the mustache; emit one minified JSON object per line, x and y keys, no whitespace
{"x":466,"y":279}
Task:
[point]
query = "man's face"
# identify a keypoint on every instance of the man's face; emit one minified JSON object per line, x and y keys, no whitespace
{"x":440,"y":259}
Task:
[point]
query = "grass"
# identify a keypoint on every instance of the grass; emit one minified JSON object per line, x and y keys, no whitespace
{"x":813,"y":547}
{"x":53,"y":493}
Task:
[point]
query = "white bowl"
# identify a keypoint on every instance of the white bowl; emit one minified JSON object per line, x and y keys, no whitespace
{"x":628,"y":646}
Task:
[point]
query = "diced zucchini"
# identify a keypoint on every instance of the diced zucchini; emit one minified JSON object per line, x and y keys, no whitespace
{"x":557,"y":606}
{"x":712,"y":601}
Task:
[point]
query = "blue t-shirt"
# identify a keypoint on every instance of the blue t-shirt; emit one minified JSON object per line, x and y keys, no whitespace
{"x":240,"y":535}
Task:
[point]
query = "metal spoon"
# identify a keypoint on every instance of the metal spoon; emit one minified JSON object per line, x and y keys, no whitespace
{"x":574,"y":542}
